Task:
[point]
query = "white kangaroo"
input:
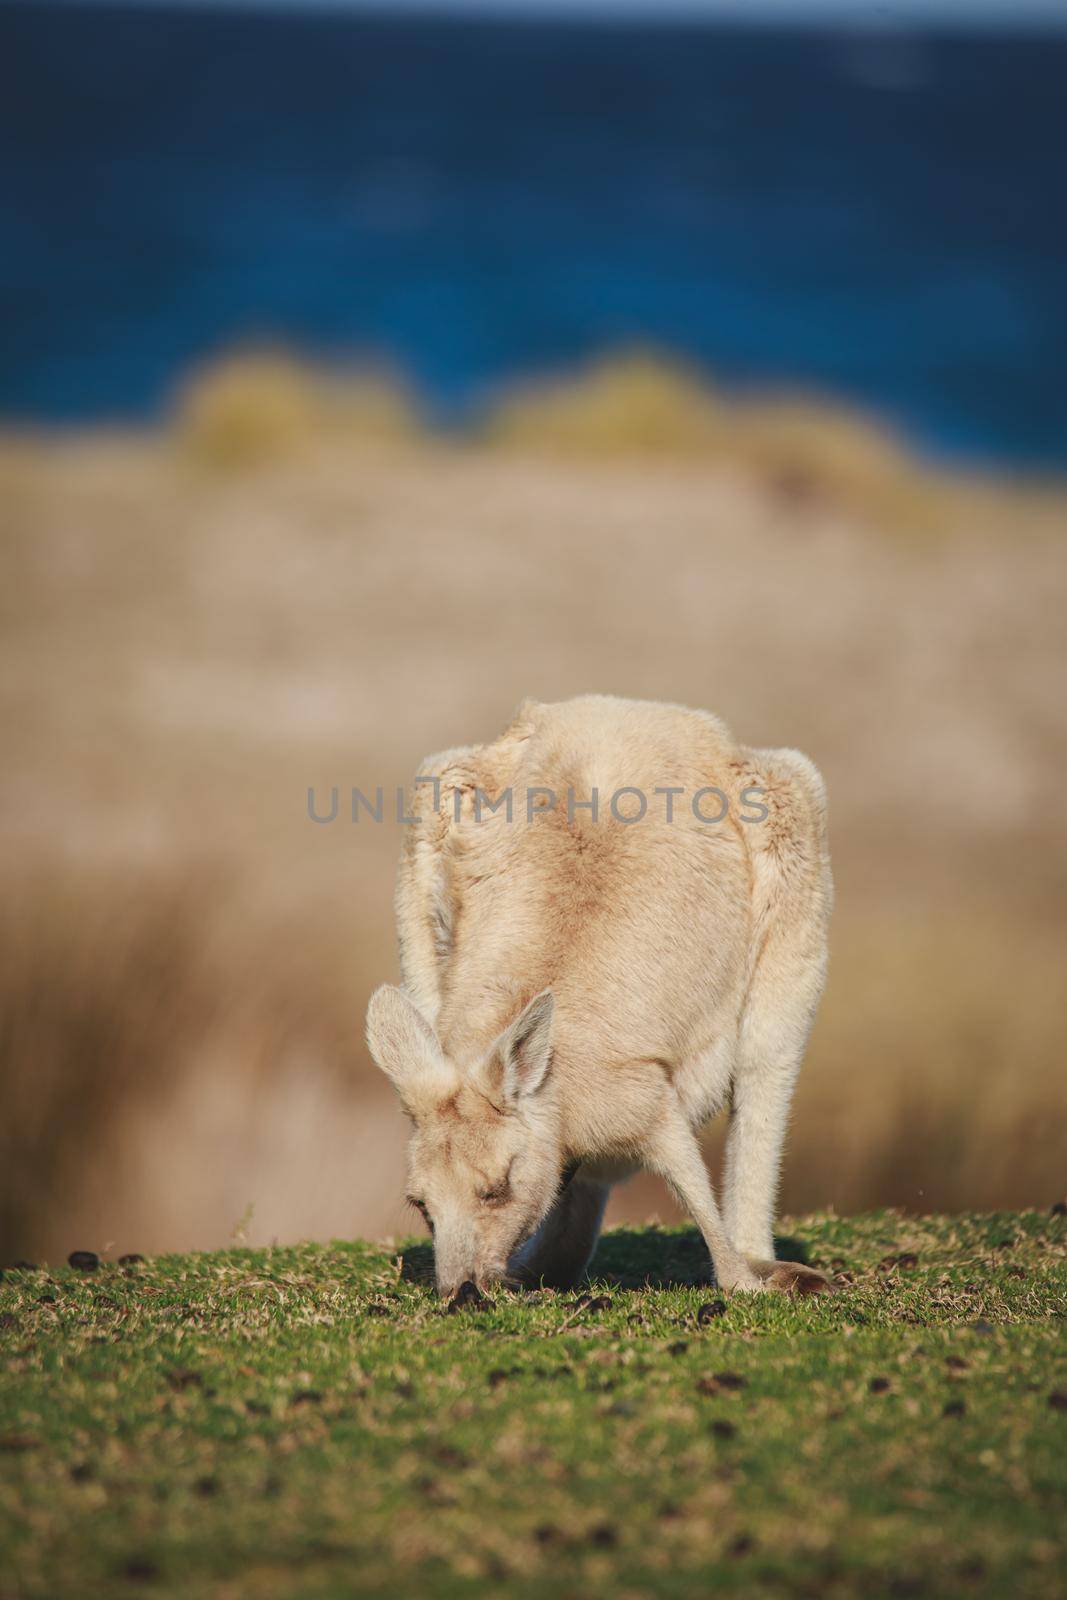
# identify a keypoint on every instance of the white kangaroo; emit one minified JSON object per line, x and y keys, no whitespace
{"x":587,"y":982}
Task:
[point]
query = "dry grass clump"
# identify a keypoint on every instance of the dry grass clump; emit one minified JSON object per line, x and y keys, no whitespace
{"x":253,"y":407}
{"x":808,"y":451}
{"x":631,"y":405}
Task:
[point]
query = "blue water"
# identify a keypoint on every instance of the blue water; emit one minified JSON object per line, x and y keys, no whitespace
{"x":880,"y":220}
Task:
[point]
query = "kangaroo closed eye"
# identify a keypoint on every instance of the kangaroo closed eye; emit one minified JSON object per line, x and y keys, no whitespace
{"x":497,"y":1193}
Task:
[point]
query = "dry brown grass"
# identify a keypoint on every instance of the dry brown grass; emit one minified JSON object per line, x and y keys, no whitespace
{"x":117,"y":987}
{"x":184,"y":958}
{"x":937,"y":1071}
{"x":103,"y":996}
{"x":135,"y":1013}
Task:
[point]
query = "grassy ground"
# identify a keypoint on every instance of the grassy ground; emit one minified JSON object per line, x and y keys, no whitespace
{"x":308,"y":1421}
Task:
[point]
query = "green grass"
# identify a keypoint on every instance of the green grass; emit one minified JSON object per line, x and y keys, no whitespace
{"x":309,"y":1421}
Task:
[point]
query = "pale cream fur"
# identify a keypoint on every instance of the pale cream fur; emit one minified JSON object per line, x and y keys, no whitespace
{"x":667,"y":970}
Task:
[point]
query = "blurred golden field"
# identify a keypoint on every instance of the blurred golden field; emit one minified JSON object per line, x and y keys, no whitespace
{"x":295,"y":584}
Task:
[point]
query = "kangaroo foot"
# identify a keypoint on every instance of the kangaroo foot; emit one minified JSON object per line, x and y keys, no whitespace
{"x":792,"y":1277}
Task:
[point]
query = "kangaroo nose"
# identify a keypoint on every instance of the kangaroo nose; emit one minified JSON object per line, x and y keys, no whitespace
{"x":468,"y":1297}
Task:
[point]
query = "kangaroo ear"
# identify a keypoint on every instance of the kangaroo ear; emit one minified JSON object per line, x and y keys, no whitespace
{"x":521,"y":1056}
{"x":402,"y":1041}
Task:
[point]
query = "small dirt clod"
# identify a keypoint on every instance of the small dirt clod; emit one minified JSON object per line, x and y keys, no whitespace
{"x":184,"y":1378}
{"x":590,"y":1302}
{"x":902,"y":1262}
{"x":17,"y":1442}
{"x":140,"y":1570}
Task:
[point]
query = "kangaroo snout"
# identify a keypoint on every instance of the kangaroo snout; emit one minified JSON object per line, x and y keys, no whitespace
{"x":468,"y":1297}
{"x":468,"y":1286}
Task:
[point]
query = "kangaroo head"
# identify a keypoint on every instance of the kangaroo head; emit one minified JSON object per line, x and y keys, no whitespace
{"x":484,"y":1163}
